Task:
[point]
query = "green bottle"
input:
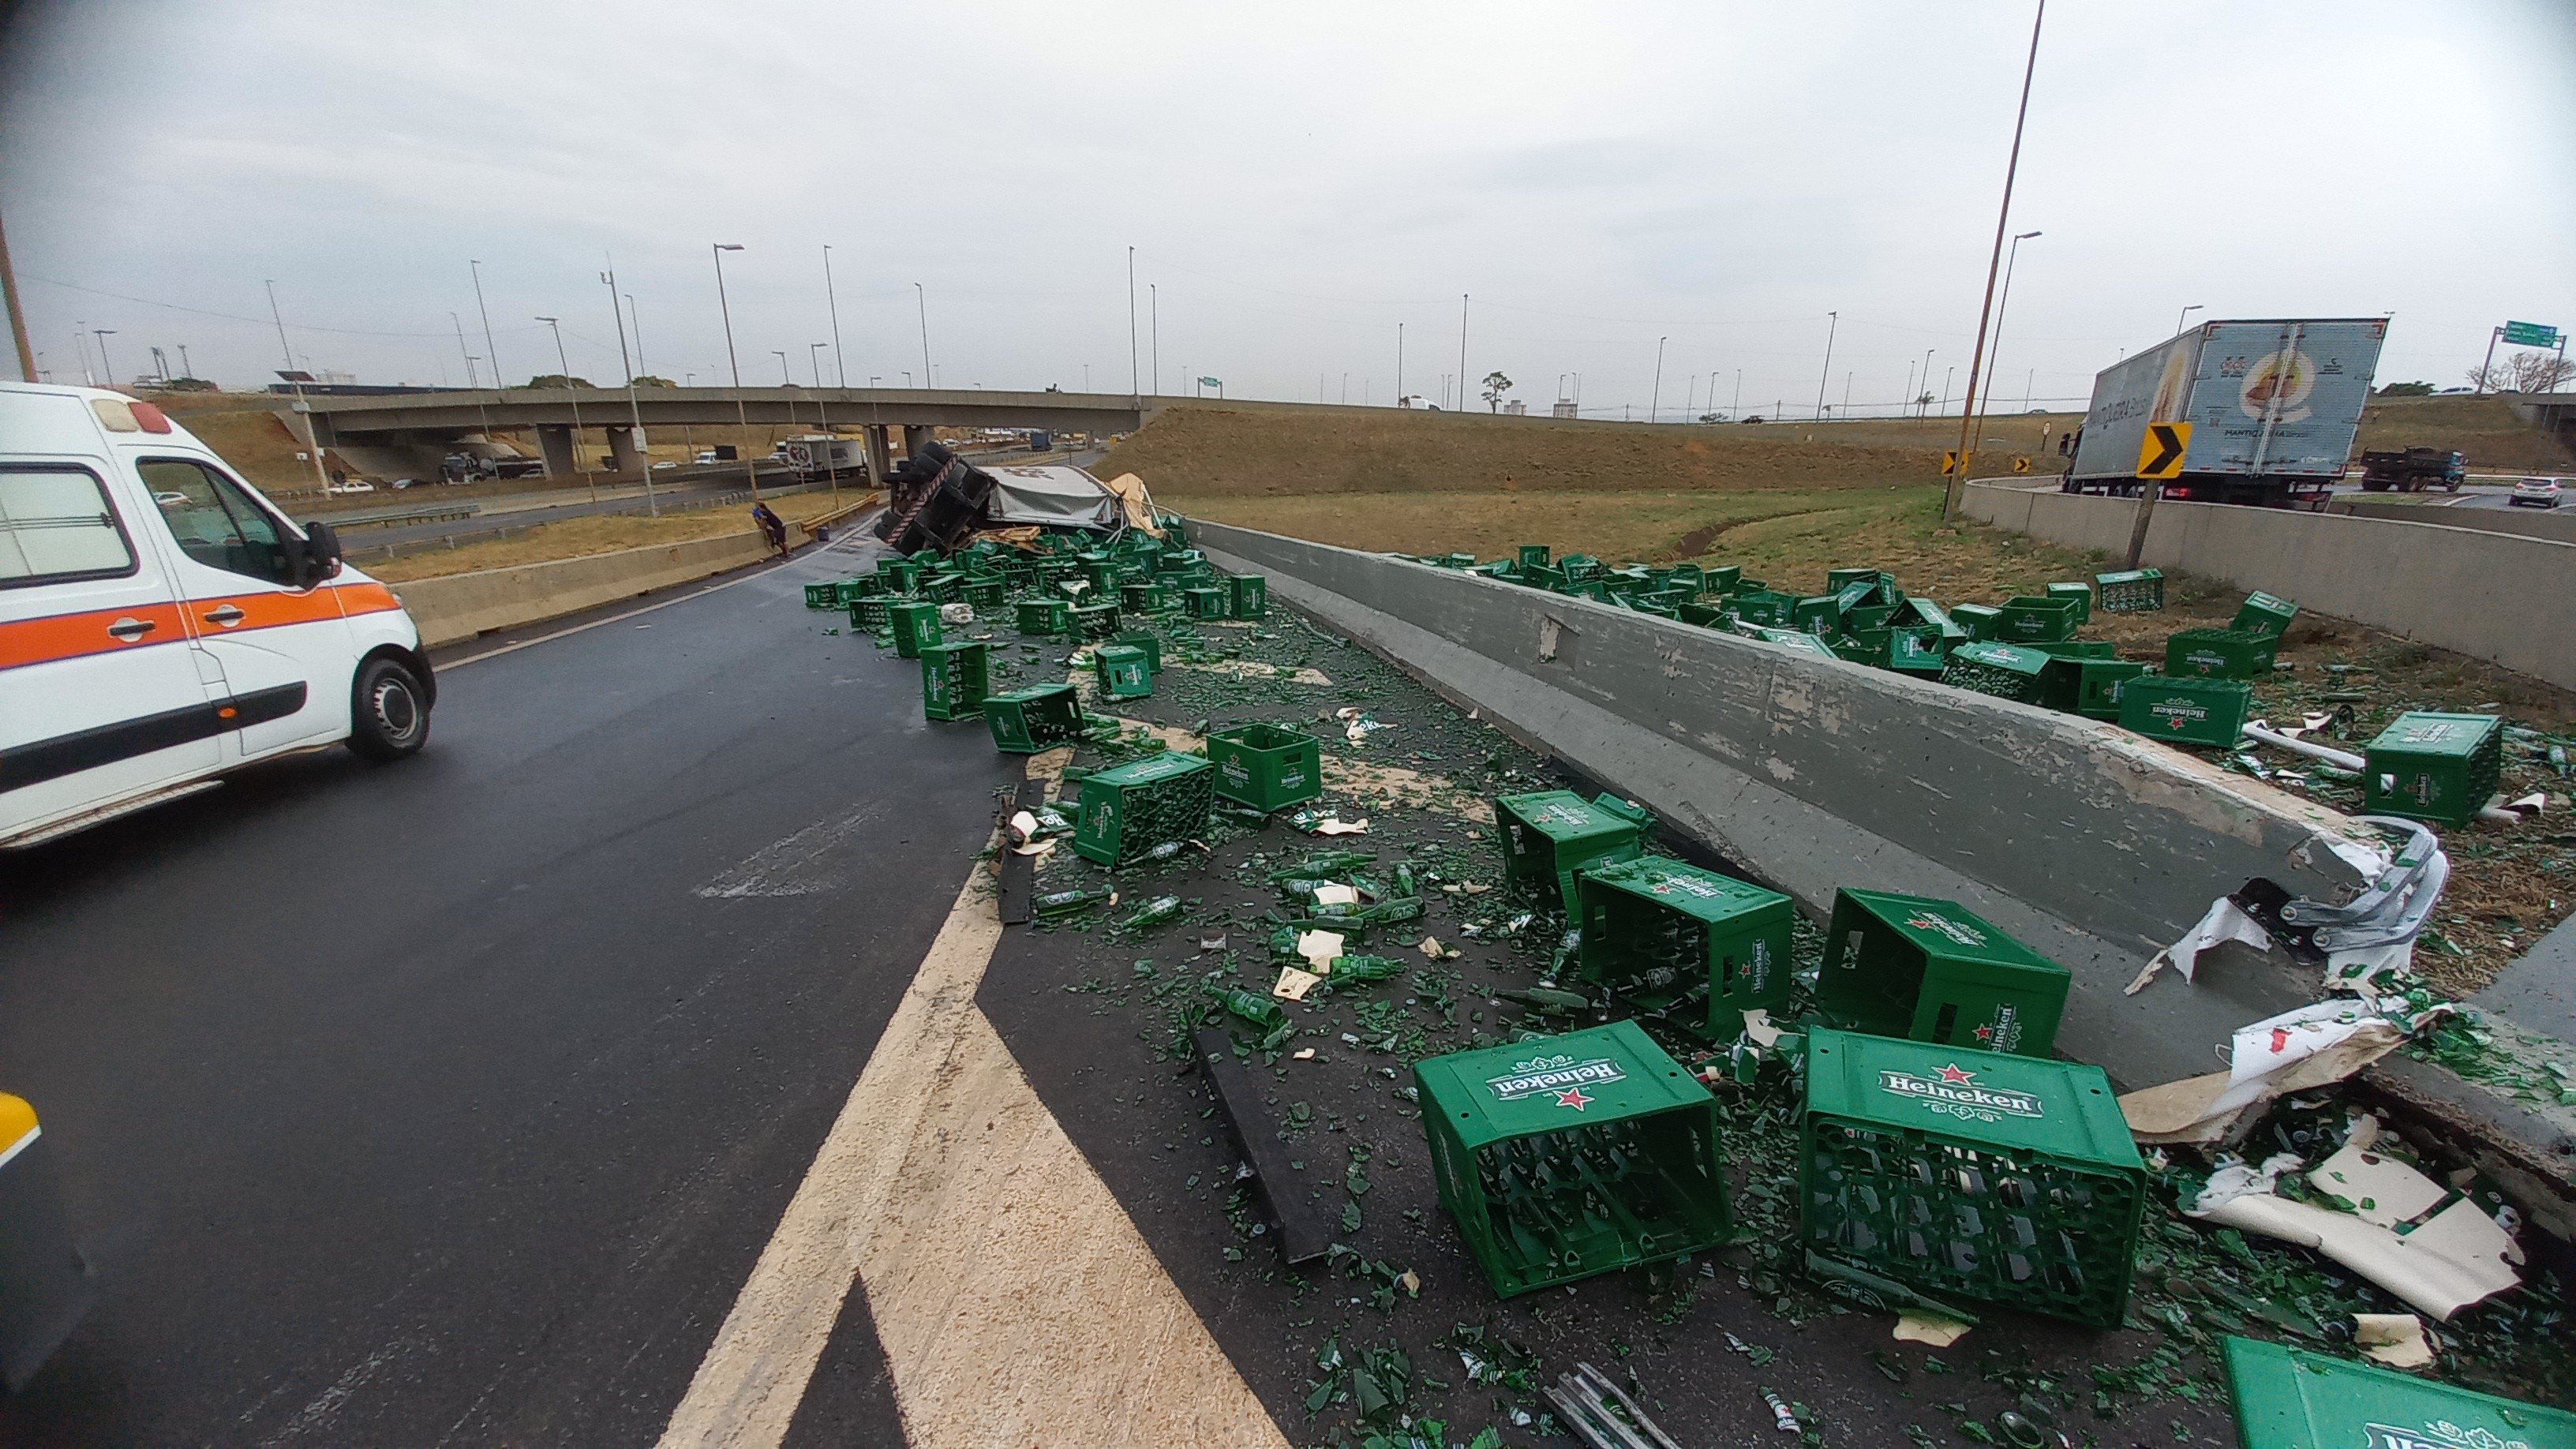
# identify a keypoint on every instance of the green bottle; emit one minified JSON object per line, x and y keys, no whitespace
{"x":1155,"y":912}
{"x":1252,"y":1006}
{"x":1352,"y":970}
{"x":1324,"y":863}
{"x":1065,"y":903}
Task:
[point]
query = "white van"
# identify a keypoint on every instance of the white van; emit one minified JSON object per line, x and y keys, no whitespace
{"x":162,"y":623}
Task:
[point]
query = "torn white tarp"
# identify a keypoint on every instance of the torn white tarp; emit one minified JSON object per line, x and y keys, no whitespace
{"x":2224,"y":921}
{"x":2322,"y":1042}
{"x":2449,"y":1259}
{"x":1052,"y":494}
{"x":2370,"y":933}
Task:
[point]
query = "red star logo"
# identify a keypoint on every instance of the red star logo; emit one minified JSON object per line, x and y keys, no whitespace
{"x":1573,"y":1097}
{"x":1985,"y":1033}
{"x":1955,"y":1077}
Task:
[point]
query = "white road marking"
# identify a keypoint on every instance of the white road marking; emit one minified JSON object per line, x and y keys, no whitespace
{"x":1016,"y":1302}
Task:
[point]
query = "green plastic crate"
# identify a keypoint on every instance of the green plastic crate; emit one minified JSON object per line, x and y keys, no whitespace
{"x":2130,"y":591}
{"x":2077,"y":593}
{"x":2289,"y":1398}
{"x":1144,"y":598}
{"x":1578,"y":566}
{"x":1934,"y":971}
{"x":825,"y":595}
{"x":916,"y":626}
{"x":1864,"y":646}
{"x":865,"y":586}
{"x":1203,"y":603}
{"x":1043,"y":617}
{"x":1687,"y":576}
{"x":1130,"y":810}
{"x":983,"y":593}
{"x":2438,"y":767}
{"x":1095,"y":622}
{"x":2006,"y":671}
{"x":1919,"y":650}
{"x":1821,"y":615}
{"x":1251,"y":596}
{"x":1932,"y":615}
{"x":1148,"y":641}
{"x":1562,"y":1157}
{"x":2086,"y":685}
{"x":904,"y":575}
{"x":1265,"y":766}
{"x":2261,"y":613}
{"x":1698,"y":947}
{"x":1531,"y":555}
{"x":1977,"y":619}
{"x":1868,"y":616}
{"x":1040,"y":717}
{"x":1707,"y":616}
{"x":2036,"y":619}
{"x":1548,"y":835}
{"x":870,"y":613}
{"x":1795,"y":639}
{"x":1721,"y":579}
{"x":954,"y":679}
{"x":2220,"y":653}
{"x":944,"y":588}
{"x":2186,"y":711}
{"x":1964,"y":1174}
{"x":1122,"y":671}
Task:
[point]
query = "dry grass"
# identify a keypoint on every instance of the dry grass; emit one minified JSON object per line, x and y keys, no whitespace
{"x":582,"y":537}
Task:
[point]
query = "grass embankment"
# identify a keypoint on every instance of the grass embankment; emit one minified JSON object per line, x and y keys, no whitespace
{"x":582,"y":537}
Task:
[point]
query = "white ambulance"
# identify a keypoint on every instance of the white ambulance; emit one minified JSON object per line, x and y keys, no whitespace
{"x":161,"y":623}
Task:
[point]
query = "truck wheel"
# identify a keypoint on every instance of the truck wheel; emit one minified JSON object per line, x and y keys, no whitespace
{"x":388,"y":715}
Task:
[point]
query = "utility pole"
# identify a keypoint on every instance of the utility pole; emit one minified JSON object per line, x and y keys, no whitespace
{"x":2178,"y":316}
{"x":831,"y":468}
{"x":480,"y":410}
{"x":2003,"y":222}
{"x":1925,"y":390}
{"x":1399,"y":364}
{"x":2003,"y":304}
{"x":565,"y":363}
{"x":1655,"y":399}
{"x":1154,"y":316}
{"x":742,"y":420}
{"x":18,"y":316}
{"x":491,"y":354}
{"x":185,"y":365}
{"x":1135,"y":383}
{"x":921,"y":299}
{"x":840,"y":359}
{"x":312,"y":433}
{"x":2486,"y":369}
{"x":1833,"y":320}
{"x":104,"y":366}
{"x":634,"y":409}
{"x":1462,"y":352}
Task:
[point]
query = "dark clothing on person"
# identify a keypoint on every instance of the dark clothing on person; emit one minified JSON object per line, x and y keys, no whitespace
{"x":771,"y":526}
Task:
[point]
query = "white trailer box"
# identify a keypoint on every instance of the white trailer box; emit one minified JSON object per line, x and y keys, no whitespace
{"x":2274,"y":408}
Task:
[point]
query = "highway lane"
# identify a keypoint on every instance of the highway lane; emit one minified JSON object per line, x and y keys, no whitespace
{"x":451,"y":1101}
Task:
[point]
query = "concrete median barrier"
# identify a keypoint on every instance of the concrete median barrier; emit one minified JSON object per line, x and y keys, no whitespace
{"x":459,"y":606}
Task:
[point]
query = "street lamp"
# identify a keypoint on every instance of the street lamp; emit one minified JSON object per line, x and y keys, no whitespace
{"x":105,"y":366}
{"x":1833,"y":321}
{"x":1926,"y":389}
{"x":2185,"y":312}
{"x":1986,"y":396}
{"x":742,"y":421}
{"x":491,"y":354}
{"x":565,"y":363}
{"x":1655,"y":399}
{"x":921,"y":300}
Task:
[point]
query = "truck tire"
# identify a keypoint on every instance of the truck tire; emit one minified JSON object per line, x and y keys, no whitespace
{"x":388,"y":712}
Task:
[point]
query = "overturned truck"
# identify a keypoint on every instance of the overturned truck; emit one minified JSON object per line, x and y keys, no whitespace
{"x":937,"y":500}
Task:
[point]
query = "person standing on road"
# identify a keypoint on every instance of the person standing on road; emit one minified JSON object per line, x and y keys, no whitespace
{"x":772,"y":526}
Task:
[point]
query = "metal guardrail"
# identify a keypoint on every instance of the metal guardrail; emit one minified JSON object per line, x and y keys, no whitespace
{"x":385,"y":517}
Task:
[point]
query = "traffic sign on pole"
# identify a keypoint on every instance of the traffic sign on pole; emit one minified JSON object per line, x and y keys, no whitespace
{"x":2160,"y":452}
{"x":1949,"y":461}
{"x":2530,"y":334}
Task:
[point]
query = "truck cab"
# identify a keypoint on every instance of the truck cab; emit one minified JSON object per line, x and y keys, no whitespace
{"x":162,"y":623}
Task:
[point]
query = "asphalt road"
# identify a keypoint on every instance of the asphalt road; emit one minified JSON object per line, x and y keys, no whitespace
{"x":451,"y":1101}
{"x":690,"y":489}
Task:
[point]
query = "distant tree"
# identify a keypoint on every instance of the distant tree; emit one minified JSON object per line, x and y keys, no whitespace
{"x":557,"y":379}
{"x":185,"y":384}
{"x":646,"y":379}
{"x":1495,"y":386}
{"x":2523,"y":372}
{"x":2407,"y":389}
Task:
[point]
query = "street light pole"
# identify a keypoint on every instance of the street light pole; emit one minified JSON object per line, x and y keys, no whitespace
{"x":565,"y":363}
{"x":491,"y":354}
{"x":1462,"y":352}
{"x":2185,"y":312}
{"x":1655,"y":399}
{"x":742,"y":420}
{"x":1994,"y":359}
{"x":921,"y":300}
{"x":634,"y":409}
{"x":18,"y":319}
{"x":105,"y":366}
{"x":1135,"y":383}
{"x":2003,"y":221}
{"x":822,"y":420}
{"x":1833,"y":321}
{"x":840,"y":359}
{"x":1925,"y":390}
{"x":312,"y":433}
{"x":1154,"y":316}
{"x":1399,"y":364}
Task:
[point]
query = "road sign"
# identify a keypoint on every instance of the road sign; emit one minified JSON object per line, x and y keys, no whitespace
{"x":2021,"y":464}
{"x":2530,"y":334}
{"x":2160,"y":452}
{"x":1949,"y":462}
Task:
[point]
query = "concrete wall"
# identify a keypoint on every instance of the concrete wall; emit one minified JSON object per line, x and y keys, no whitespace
{"x":2495,"y":596}
{"x":2558,"y":523}
{"x":460,"y":606}
{"x":2094,"y":846}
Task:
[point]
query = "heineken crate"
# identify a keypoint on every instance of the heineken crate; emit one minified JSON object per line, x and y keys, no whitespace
{"x":1707,"y":616}
{"x":1265,"y":766}
{"x":2036,"y":619}
{"x":1122,"y":671}
{"x":1148,"y":641}
{"x":2261,"y":613}
{"x":1532,"y":555}
{"x":1864,"y":646}
{"x":1969,"y":1174}
{"x":872,"y":612}
{"x":2006,"y":671}
{"x":2219,"y":653}
{"x":1931,"y":615}
{"x":865,"y":586}
{"x":2076,"y":592}
{"x":1130,"y":810}
{"x":1179,"y":561}
{"x":1868,"y":616}
{"x":2290,"y":1398}
{"x":1644,"y":605}
{"x":1460,"y":560}
{"x":1795,"y":639}
{"x":1144,"y":598}
{"x":1934,"y":971}
{"x":1042,"y":716}
{"x":2187,"y":710}
{"x":1562,"y":1157}
{"x":916,"y":626}
{"x":1918,"y":650}
{"x":1543,"y":576}
{"x":1764,"y":607}
{"x":984,"y":593}
{"x":2438,"y":767}
{"x":2130,"y":591}
{"x":954,"y":679}
{"x":1046,"y":617}
{"x":1203,"y":603}
{"x":1821,"y":615}
{"x":1251,"y":595}
{"x":1095,"y":622}
{"x":901,"y":574}
{"x":2089,"y":687}
{"x":1548,"y":835}
{"x":944,"y":587}
{"x":1104,"y":576}
{"x":1977,"y":619}
{"x":825,"y":595}
{"x":1578,"y":566}
{"x":1837,"y":580}
{"x":1689,"y":576}
{"x":1722,"y":579}
{"x":1691,"y":945}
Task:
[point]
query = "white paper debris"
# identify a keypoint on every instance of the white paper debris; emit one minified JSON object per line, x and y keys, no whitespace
{"x":1757,"y":1025}
{"x":1335,"y":825}
{"x":956,"y":614}
{"x":1319,"y":948}
{"x":2398,"y":1340}
{"x":1302,"y":1054}
{"x":1336,"y":895}
{"x":2311,"y":1046}
{"x":1930,"y":1328}
{"x":2225,"y":921}
{"x":1293,"y":984}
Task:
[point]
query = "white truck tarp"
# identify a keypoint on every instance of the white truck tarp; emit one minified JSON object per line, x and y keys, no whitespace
{"x":1051,"y":494}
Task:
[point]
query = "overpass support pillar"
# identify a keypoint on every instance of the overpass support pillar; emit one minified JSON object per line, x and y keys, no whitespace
{"x":555,"y":444}
{"x":880,"y":453}
{"x":626,"y":450}
{"x":914,"y":438}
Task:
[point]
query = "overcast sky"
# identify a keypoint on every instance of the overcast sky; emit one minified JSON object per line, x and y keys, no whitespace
{"x":1296,"y":181}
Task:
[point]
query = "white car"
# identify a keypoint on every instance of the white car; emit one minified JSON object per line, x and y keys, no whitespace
{"x":665,"y":463}
{"x":161,"y":623}
{"x":2536,"y":493}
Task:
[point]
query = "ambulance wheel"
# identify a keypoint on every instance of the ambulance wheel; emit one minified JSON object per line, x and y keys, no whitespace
{"x":388,"y":714}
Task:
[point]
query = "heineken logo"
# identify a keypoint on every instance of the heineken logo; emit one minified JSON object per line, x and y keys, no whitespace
{"x":2175,"y":711}
{"x":1953,"y":1092}
{"x":2440,"y":1434}
{"x":1561,"y":1077}
{"x":1233,"y":770}
{"x":2004,"y":1032}
{"x":1939,"y":924}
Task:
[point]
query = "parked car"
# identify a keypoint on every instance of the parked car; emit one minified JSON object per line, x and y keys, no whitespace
{"x":665,"y":463}
{"x":2536,"y":493}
